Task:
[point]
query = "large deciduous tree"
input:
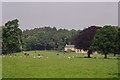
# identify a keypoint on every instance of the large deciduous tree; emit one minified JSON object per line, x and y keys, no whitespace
{"x":12,"y":37}
{"x":105,"y":40}
{"x":117,"y":50}
{"x":84,"y":38}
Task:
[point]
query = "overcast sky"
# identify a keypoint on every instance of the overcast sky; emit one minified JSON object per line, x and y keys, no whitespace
{"x":70,"y":15}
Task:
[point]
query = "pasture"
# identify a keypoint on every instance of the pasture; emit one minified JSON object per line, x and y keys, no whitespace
{"x":52,"y":65}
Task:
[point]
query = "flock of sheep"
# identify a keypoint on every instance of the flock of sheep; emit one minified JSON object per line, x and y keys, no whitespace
{"x":25,"y":55}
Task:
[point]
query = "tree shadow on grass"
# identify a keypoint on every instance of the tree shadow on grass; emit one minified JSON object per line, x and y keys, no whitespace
{"x":85,"y":57}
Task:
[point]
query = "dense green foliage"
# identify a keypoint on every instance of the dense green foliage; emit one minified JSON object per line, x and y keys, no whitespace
{"x":47,"y":38}
{"x":83,"y":39}
{"x":59,"y":67}
{"x":0,"y":39}
{"x":12,"y":37}
{"x":118,"y":41}
{"x":105,"y":40}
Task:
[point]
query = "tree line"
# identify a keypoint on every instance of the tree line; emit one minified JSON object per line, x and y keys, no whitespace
{"x":43,"y":38}
{"x":104,"y":39}
{"x":47,"y":38}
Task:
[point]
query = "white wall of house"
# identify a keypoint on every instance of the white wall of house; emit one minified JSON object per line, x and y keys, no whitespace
{"x":74,"y":49}
{"x":67,"y":49}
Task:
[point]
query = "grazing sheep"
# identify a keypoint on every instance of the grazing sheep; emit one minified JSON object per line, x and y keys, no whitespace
{"x":40,"y":56}
{"x":34,"y":57}
{"x":69,"y":57}
{"x":57,"y":54}
{"x":26,"y":54}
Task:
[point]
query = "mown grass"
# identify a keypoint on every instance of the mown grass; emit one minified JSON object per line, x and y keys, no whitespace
{"x":59,"y":67}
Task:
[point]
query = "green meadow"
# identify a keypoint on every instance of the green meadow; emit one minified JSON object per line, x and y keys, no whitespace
{"x":52,"y":65}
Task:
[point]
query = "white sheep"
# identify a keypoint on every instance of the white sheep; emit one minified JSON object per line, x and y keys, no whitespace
{"x":69,"y":57}
{"x":39,"y":57}
{"x":34,"y":57}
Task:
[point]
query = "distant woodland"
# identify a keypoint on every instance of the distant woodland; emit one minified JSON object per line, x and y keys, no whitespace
{"x":47,"y":38}
{"x":105,"y":39}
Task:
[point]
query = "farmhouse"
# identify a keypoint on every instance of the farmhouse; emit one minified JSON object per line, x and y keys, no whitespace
{"x":72,"y":48}
{"x":69,"y":48}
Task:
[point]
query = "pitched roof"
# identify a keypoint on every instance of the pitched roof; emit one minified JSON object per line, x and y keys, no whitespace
{"x":70,"y":46}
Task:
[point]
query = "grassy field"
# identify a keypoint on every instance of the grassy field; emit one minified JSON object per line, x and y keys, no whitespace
{"x":58,"y":66}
